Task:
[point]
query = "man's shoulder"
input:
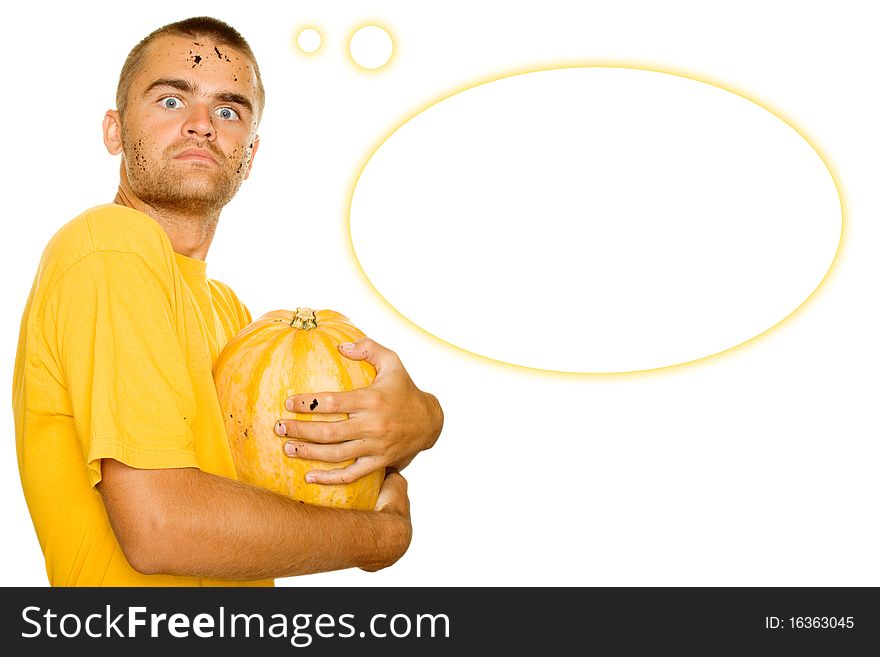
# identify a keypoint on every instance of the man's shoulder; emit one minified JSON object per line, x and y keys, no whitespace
{"x":107,"y":228}
{"x":228,"y":299}
{"x":219,"y":287}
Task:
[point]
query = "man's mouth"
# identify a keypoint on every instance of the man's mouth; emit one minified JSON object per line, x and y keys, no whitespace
{"x":196,"y":155}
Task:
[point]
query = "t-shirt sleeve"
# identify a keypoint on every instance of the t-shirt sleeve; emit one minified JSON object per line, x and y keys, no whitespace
{"x":236,"y":314}
{"x":244,"y":315}
{"x":123,"y":363}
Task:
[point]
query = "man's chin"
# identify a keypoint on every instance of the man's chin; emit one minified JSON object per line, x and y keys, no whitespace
{"x":201,"y":189}
{"x":191,"y":201}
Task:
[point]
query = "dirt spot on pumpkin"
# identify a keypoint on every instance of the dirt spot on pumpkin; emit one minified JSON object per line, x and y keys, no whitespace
{"x":313,"y":405}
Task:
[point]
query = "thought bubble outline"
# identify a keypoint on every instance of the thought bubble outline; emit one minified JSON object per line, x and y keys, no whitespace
{"x":613,"y":65}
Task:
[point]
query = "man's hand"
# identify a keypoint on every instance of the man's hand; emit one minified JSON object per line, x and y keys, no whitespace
{"x":389,"y":421}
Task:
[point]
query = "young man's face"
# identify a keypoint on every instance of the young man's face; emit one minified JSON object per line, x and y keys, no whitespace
{"x":190,"y":128}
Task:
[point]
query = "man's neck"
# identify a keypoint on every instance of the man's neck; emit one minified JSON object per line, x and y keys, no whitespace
{"x":190,"y":235}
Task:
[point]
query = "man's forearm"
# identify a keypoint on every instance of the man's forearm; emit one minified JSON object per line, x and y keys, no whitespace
{"x":202,"y":525}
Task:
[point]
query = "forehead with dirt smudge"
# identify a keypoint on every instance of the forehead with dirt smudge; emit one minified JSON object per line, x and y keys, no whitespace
{"x":203,"y":59}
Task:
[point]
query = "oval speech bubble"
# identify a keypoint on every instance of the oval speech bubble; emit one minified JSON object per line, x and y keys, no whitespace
{"x":595,"y":219}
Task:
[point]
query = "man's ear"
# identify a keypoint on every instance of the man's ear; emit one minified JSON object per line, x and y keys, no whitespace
{"x":112,"y":132}
{"x":253,"y":154}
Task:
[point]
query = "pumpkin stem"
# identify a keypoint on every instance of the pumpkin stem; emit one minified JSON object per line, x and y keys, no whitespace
{"x":304,"y":318}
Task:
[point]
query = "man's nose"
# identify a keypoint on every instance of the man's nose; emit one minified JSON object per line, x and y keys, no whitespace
{"x":199,"y":122}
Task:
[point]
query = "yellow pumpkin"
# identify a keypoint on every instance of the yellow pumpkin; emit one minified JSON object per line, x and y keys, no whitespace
{"x":281,"y":354}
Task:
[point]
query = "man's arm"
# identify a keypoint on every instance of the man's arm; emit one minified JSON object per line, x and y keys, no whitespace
{"x":188,"y":522}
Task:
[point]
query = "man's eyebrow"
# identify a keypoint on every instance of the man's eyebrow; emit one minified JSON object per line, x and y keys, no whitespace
{"x":191,"y":88}
{"x":175,"y":83}
{"x":229,"y":97}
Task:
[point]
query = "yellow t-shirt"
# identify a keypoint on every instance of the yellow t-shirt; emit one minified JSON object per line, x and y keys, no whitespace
{"x":115,"y":355}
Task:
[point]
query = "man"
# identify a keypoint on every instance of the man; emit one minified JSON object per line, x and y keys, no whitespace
{"x":121,"y":445}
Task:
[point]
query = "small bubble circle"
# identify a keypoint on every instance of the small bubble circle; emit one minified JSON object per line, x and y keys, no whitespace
{"x":309,"y":40}
{"x":371,"y":47}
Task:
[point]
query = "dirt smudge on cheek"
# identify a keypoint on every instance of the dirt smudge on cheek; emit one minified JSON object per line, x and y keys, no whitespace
{"x":237,"y":155}
{"x":139,"y":159}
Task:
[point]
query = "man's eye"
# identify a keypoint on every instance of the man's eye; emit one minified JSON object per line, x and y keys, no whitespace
{"x":171,"y":102}
{"x":227,"y":113}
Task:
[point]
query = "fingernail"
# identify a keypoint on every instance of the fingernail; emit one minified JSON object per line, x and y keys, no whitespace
{"x":347,"y":345}
{"x":288,"y":404}
{"x":281,"y":429}
{"x":290,"y":449}
{"x":310,"y":478}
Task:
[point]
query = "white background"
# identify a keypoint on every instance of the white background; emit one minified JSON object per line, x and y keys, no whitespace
{"x":757,"y":467}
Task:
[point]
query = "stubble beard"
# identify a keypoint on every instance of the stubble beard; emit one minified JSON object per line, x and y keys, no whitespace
{"x":179,"y":187}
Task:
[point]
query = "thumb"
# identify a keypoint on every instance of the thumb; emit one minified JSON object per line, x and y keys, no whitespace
{"x":393,"y":494}
{"x":370,"y":351}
